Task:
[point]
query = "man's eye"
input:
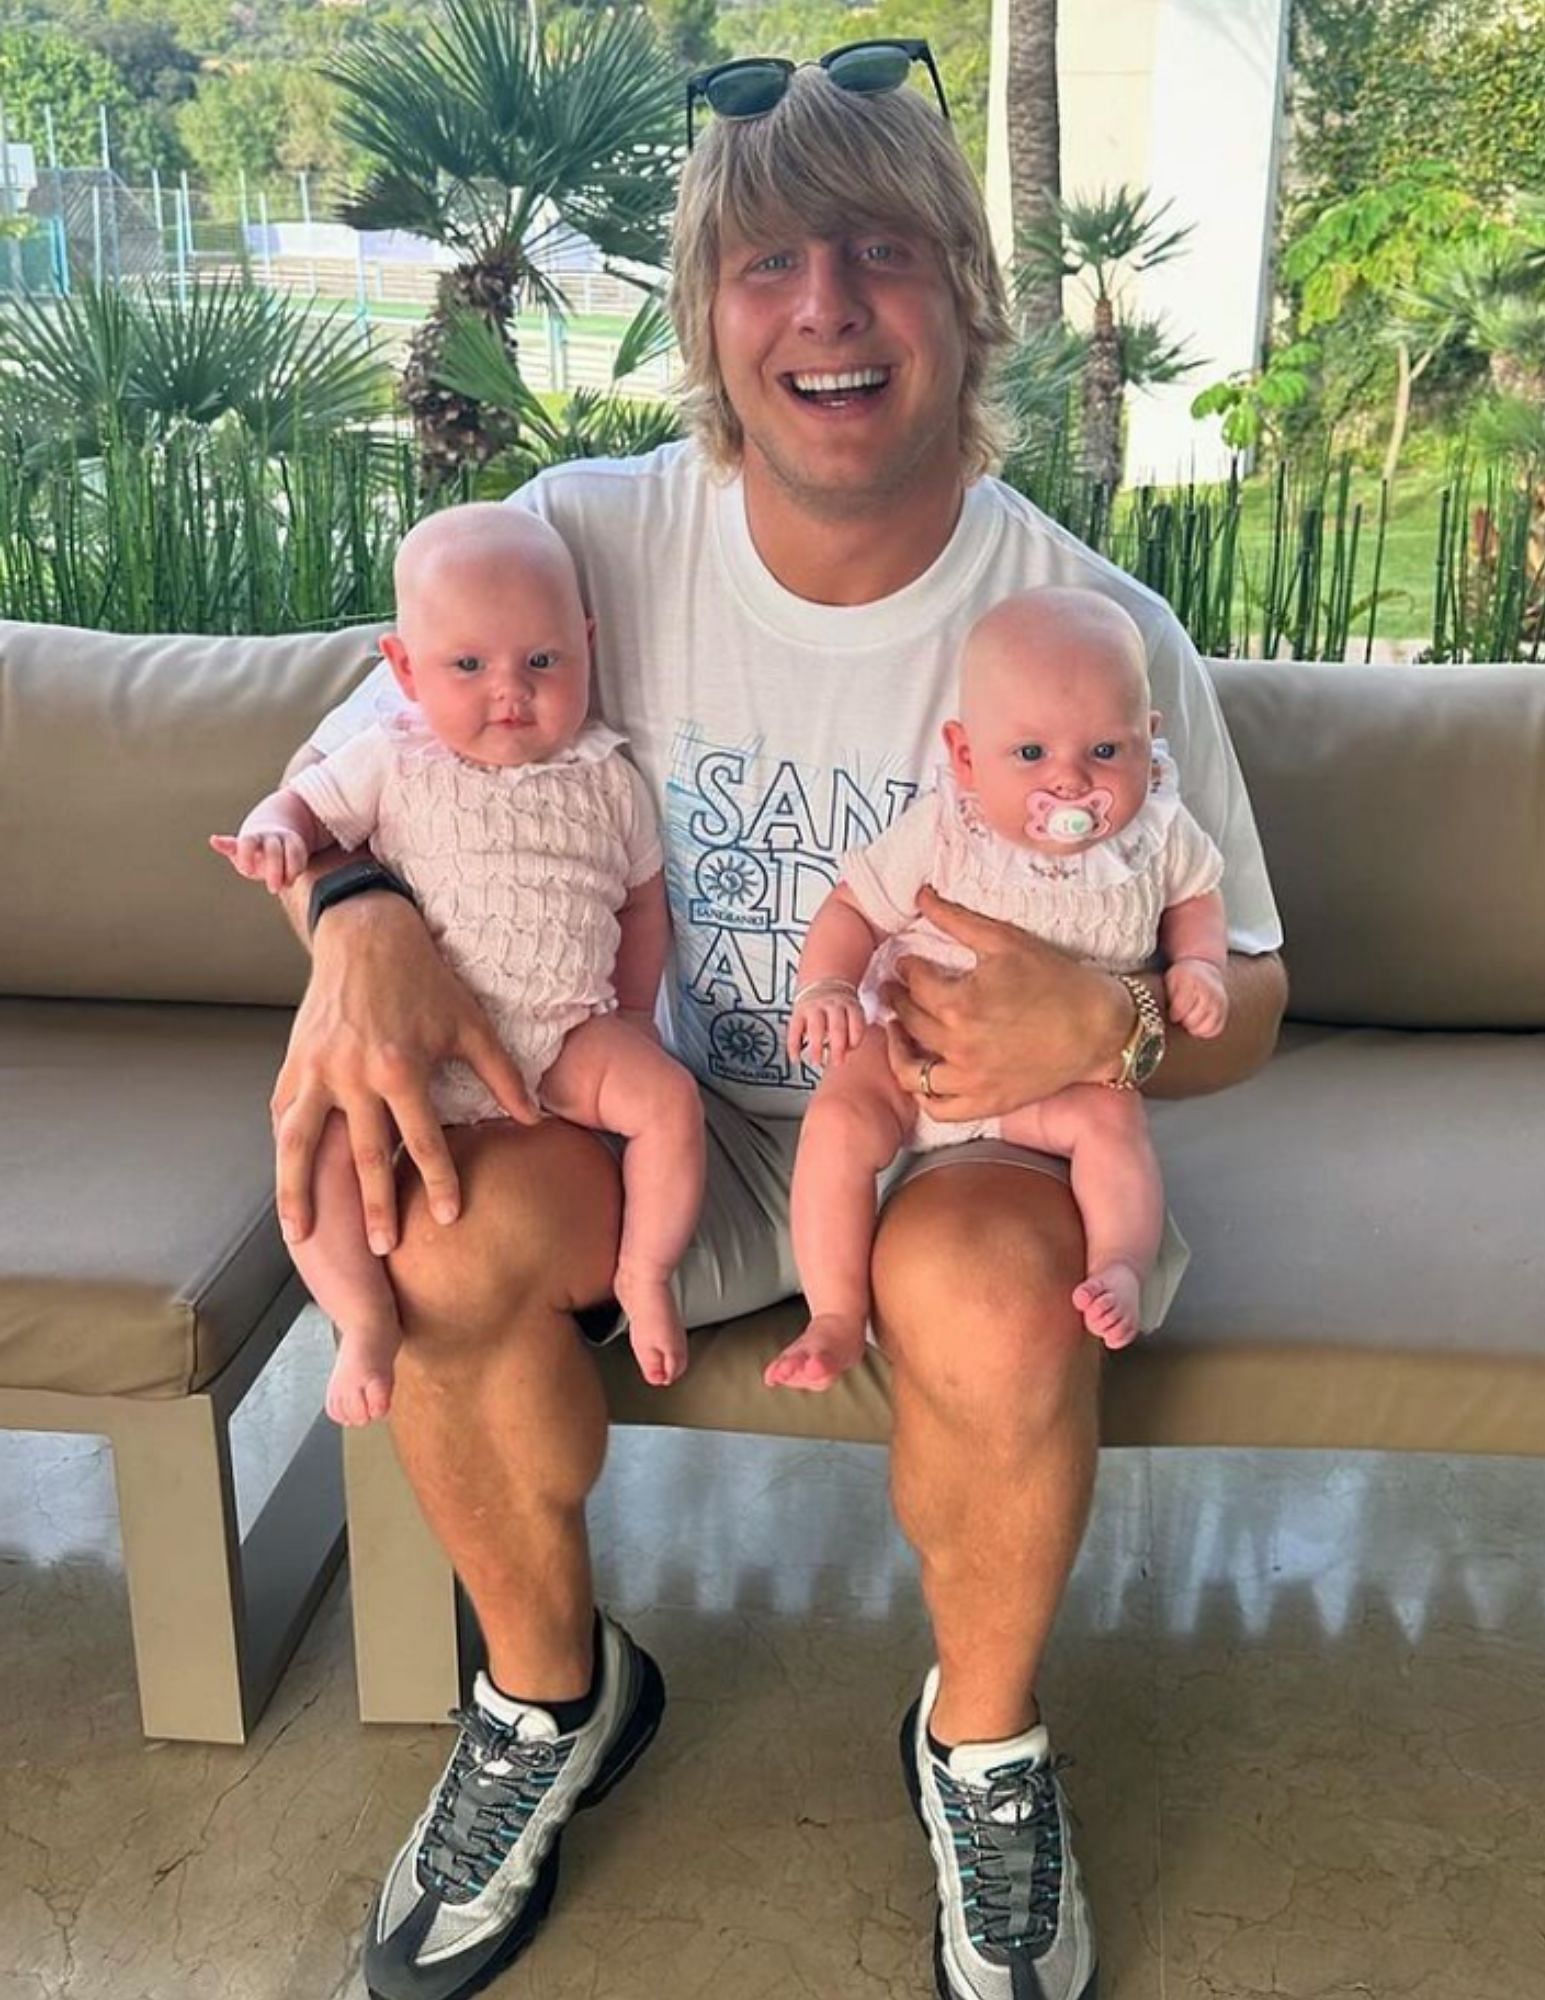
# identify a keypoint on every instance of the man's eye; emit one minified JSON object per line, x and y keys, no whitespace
{"x":1106,"y":751}
{"x":469,"y":663}
{"x":777,"y":260}
{"x":540,"y":662}
{"x":879,"y":253}
{"x":1029,"y":753}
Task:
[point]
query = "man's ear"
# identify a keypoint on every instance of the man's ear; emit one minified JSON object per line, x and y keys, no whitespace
{"x":958,"y":745}
{"x":395,"y":654}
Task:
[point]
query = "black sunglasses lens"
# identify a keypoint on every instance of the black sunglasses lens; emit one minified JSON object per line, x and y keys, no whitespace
{"x":869,"y":70}
{"x":747,"y":91}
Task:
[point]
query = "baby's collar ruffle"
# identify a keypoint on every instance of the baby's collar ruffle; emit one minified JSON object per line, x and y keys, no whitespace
{"x":405,"y":725}
{"x":1110,"y":862}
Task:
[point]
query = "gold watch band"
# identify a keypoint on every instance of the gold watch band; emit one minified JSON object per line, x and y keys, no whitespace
{"x":1145,"y":1046}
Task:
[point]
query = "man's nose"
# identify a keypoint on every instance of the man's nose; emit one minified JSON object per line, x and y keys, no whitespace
{"x":831,"y":302}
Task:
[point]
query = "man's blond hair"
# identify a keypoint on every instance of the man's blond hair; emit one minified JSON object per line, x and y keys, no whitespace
{"x":826,"y":161}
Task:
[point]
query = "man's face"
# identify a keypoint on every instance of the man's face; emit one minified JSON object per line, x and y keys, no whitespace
{"x":842,"y":357}
{"x":498,"y":658}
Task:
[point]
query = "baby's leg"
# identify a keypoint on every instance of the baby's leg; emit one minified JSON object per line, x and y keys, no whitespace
{"x":1103,"y":1134}
{"x":857,"y":1123}
{"x":350,"y":1284}
{"x":613,"y":1078}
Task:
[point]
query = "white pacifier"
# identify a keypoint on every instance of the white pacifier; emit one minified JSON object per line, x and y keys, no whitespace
{"x":1052,"y":818}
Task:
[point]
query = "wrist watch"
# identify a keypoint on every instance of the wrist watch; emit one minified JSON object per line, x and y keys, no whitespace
{"x":1145,"y":1046}
{"x":354,"y":878}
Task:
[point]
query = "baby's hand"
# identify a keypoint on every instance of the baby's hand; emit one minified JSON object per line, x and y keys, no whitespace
{"x":1197,"y":996}
{"x":826,"y":1023}
{"x":273,"y":855}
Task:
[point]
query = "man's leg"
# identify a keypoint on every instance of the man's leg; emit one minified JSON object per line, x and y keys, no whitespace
{"x":499,"y":1417}
{"x":995,"y":1388}
{"x":501,"y":1423}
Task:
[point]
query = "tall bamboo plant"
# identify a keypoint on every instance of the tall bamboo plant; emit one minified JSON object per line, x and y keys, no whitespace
{"x":492,"y":135}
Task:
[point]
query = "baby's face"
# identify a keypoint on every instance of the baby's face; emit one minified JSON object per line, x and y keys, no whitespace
{"x":1055,"y":737}
{"x":497,"y":655}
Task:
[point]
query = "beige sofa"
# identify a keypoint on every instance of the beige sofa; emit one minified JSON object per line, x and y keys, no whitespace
{"x":1365,"y":1215}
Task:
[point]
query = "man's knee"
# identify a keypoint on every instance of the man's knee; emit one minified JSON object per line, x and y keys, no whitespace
{"x":540,"y":1213}
{"x":974,"y":1272}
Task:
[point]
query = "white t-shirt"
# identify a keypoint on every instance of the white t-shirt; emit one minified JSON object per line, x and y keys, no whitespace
{"x":775,"y":733}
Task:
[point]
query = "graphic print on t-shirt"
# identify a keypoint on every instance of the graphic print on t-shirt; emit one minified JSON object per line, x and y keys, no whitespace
{"x":753,"y":844}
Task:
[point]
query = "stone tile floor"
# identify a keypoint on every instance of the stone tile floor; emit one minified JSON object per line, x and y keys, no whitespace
{"x":1305,"y":1695}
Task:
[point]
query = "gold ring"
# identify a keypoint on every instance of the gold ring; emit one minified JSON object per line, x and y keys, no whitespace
{"x":925,"y":1077}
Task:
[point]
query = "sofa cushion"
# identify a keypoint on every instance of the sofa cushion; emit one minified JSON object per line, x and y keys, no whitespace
{"x":118,"y":758}
{"x":1403,"y":817}
{"x":1367,"y":1267}
{"x":140,"y":1246}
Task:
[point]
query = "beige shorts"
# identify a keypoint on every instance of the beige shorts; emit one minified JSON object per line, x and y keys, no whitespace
{"x":741,"y":1259}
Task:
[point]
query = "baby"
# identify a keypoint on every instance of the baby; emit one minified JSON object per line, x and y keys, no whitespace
{"x":532,"y":850}
{"x":1058,"y":812}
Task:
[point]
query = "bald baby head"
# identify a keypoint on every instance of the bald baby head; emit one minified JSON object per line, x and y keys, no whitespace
{"x":492,"y":641}
{"x":1075,"y":641}
{"x":445,"y":548}
{"x":1054,"y":706}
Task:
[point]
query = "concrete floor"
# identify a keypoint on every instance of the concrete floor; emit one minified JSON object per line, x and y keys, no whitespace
{"x":1305,"y":1696}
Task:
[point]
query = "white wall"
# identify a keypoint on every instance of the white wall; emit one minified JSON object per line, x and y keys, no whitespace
{"x":1183,"y":97}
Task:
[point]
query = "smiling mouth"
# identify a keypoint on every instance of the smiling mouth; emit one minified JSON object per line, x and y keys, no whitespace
{"x":837,"y":388}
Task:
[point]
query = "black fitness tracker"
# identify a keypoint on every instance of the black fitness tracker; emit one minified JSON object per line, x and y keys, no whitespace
{"x":354,"y":878}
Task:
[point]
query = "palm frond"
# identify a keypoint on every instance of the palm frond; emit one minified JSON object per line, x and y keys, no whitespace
{"x":648,"y":335}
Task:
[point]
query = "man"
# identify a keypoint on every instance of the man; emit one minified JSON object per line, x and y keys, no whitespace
{"x":779,"y":608}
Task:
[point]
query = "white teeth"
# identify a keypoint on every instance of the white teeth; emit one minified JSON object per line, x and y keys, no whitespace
{"x":850,"y":378}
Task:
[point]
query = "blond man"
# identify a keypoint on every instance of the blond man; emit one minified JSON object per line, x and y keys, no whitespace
{"x":779,"y":603}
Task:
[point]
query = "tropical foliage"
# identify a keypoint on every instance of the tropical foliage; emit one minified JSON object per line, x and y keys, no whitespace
{"x":492,"y":139}
{"x":126,"y":363}
{"x":1102,"y":243}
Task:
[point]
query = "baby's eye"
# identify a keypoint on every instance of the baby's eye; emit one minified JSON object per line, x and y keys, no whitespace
{"x":540,"y":662}
{"x":1029,"y":753}
{"x":469,"y":663}
{"x":1105,"y":751}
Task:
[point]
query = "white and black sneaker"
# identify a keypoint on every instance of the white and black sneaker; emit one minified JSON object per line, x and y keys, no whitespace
{"x":1013,"y":1921}
{"x":475,"y":1879}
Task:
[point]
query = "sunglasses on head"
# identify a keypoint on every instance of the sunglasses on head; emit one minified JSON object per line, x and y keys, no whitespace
{"x":750,"y":86}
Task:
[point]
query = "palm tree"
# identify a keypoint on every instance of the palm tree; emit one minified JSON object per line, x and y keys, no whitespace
{"x":492,"y":135}
{"x":1105,"y":242}
{"x":1035,"y":147}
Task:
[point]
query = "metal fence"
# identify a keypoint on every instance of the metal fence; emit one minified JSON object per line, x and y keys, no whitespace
{"x":62,"y":227}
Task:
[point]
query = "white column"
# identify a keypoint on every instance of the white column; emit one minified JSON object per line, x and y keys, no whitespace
{"x":1183,"y":97}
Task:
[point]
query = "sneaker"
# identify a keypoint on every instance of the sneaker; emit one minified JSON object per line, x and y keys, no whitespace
{"x":1013,"y":1922}
{"x":469,"y":1890}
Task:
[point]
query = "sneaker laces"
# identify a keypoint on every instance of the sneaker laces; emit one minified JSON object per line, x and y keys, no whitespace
{"x":1008,"y":1844}
{"x":494,"y":1782}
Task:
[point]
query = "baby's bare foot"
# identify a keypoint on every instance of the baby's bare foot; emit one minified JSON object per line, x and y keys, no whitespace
{"x":359,"y":1390}
{"x":655,"y":1331}
{"x":1108,"y":1301}
{"x":829,"y":1346}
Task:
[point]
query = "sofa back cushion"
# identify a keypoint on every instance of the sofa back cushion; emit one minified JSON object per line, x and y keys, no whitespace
{"x":1403,"y":815}
{"x":119,"y":756}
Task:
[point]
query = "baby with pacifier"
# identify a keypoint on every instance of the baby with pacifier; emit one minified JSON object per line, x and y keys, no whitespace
{"x":1058,"y":811}
{"x":532,"y":850}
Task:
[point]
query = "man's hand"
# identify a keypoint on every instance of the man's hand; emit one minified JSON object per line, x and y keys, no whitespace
{"x":381,"y":1011}
{"x":1024,"y":1024}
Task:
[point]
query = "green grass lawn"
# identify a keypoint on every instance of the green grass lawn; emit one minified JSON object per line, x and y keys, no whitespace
{"x":1410,"y":544}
